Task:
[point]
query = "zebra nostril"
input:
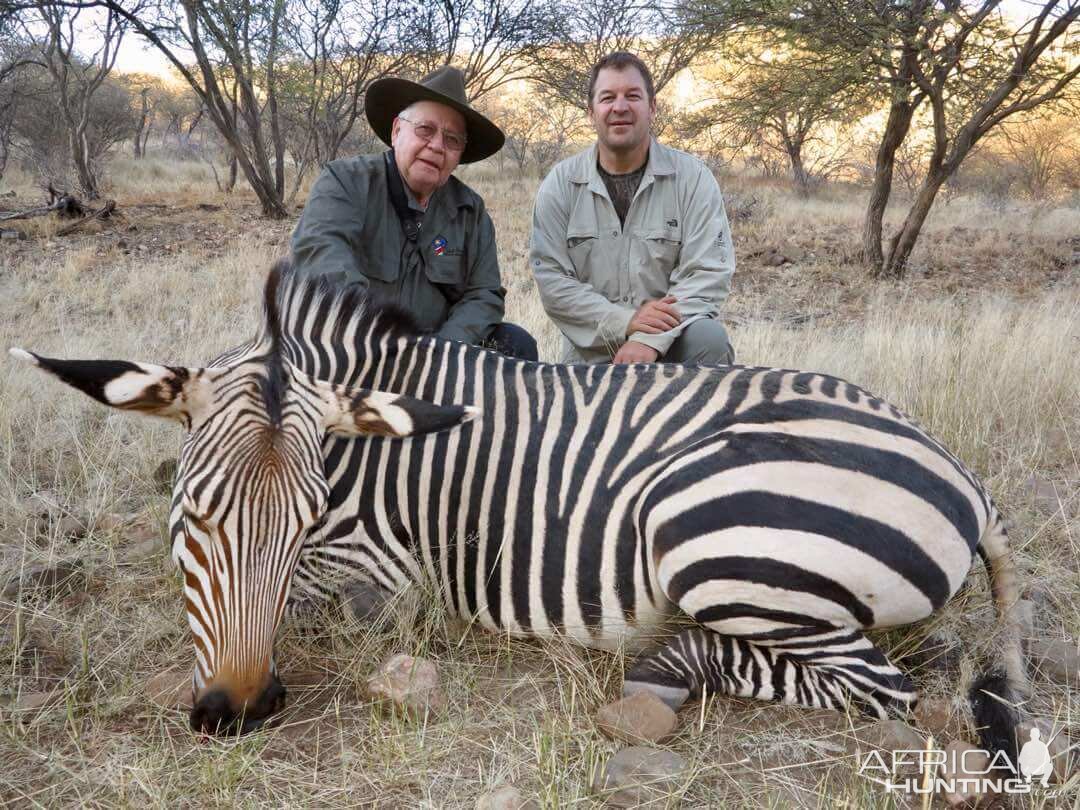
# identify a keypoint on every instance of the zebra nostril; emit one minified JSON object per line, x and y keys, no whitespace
{"x":212,"y":714}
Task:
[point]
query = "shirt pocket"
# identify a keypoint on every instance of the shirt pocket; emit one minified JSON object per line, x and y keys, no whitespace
{"x":384,"y":270}
{"x":593,"y":264}
{"x":662,"y":248}
{"x":382,"y":259}
{"x":446,"y":270}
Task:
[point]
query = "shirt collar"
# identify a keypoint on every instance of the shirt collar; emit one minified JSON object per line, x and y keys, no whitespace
{"x":659,"y":164}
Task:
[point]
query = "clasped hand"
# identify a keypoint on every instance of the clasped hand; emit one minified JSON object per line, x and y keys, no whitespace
{"x":651,"y":318}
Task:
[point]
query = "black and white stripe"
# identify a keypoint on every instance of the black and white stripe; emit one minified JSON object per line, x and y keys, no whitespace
{"x":780,"y":513}
{"x":786,"y":510}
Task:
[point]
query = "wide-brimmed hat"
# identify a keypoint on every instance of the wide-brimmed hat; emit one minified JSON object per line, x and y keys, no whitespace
{"x":388,"y":97}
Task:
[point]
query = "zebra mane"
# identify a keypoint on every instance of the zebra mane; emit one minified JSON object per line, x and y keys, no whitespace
{"x":305,"y":315}
{"x":273,"y":384}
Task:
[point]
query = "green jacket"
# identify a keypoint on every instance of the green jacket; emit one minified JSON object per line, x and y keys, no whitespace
{"x":448,"y":279}
{"x":593,"y":274}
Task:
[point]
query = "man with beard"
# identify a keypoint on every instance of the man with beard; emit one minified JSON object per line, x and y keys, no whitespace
{"x":400,"y":225}
{"x":631,"y":247}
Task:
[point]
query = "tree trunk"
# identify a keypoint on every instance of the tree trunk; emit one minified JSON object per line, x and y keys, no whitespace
{"x":5,"y":148}
{"x":144,"y":112}
{"x":901,"y":245}
{"x":231,"y":182}
{"x":798,"y":170}
{"x":80,"y":156}
{"x":896,"y":129}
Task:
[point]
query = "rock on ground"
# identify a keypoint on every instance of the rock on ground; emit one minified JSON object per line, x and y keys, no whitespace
{"x":164,"y":475}
{"x":1056,"y":659}
{"x":54,"y":579}
{"x":1024,"y":610}
{"x":1044,"y":493}
{"x":934,"y":716}
{"x":170,"y":689}
{"x":410,"y":684}
{"x":641,"y":775}
{"x":33,"y":702}
{"x":363,"y":602}
{"x":641,"y":717}
{"x":888,"y":735}
{"x":505,"y":797}
{"x":964,"y":761}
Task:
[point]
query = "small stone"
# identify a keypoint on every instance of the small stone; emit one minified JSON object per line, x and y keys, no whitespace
{"x":1055,"y":659}
{"x":639,"y":775}
{"x":641,"y":717}
{"x":71,"y":528}
{"x":933,"y":715}
{"x":141,"y":550}
{"x":364,"y":602}
{"x":143,"y":540}
{"x":41,"y":504}
{"x":44,"y":630}
{"x":775,"y":258}
{"x":889,"y":735}
{"x":12,"y":236}
{"x":506,"y":797}
{"x":1043,"y":493}
{"x":409,"y":684}
{"x":164,"y":475}
{"x":55,"y":579}
{"x":114,"y":521}
{"x":170,"y":689}
{"x":1024,"y":611}
{"x":964,"y":761}
{"x":30,"y":702}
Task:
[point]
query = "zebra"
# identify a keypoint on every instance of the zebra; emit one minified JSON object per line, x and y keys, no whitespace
{"x":738,"y":528}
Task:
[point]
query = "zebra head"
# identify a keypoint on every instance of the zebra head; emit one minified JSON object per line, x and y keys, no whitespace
{"x":250,"y":483}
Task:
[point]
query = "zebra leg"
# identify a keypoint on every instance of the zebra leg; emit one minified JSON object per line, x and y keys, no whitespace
{"x":816,"y":669}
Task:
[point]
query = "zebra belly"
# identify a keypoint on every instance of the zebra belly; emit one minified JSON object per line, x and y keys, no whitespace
{"x":610,"y":630}
{"x":784,"y":531}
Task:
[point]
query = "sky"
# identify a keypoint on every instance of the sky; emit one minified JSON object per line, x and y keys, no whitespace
{"x":137,"y":57}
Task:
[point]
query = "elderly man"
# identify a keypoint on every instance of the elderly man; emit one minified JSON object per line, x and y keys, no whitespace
{"x":401,"y":225}
{"x":631,"y":248}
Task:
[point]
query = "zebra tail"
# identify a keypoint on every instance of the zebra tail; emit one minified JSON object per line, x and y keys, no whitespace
{"x":993,"y":706}
{"x":996,"y":553}
{"x":996,"y":695}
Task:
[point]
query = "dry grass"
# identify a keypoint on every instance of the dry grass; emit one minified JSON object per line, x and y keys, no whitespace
{"x":992,"y":369}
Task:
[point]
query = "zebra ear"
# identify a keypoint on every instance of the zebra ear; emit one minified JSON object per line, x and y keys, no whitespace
{"x":167,"y":391}
{"x":361,"y":412}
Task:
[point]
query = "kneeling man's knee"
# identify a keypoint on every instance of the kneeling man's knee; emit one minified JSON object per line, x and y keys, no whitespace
{"x":705,"y":342}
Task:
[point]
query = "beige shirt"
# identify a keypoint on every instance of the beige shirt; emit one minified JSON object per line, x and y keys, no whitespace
{"x":594,"y":274}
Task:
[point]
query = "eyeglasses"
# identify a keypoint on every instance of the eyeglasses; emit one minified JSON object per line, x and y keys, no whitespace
{"x":425,"y":131}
